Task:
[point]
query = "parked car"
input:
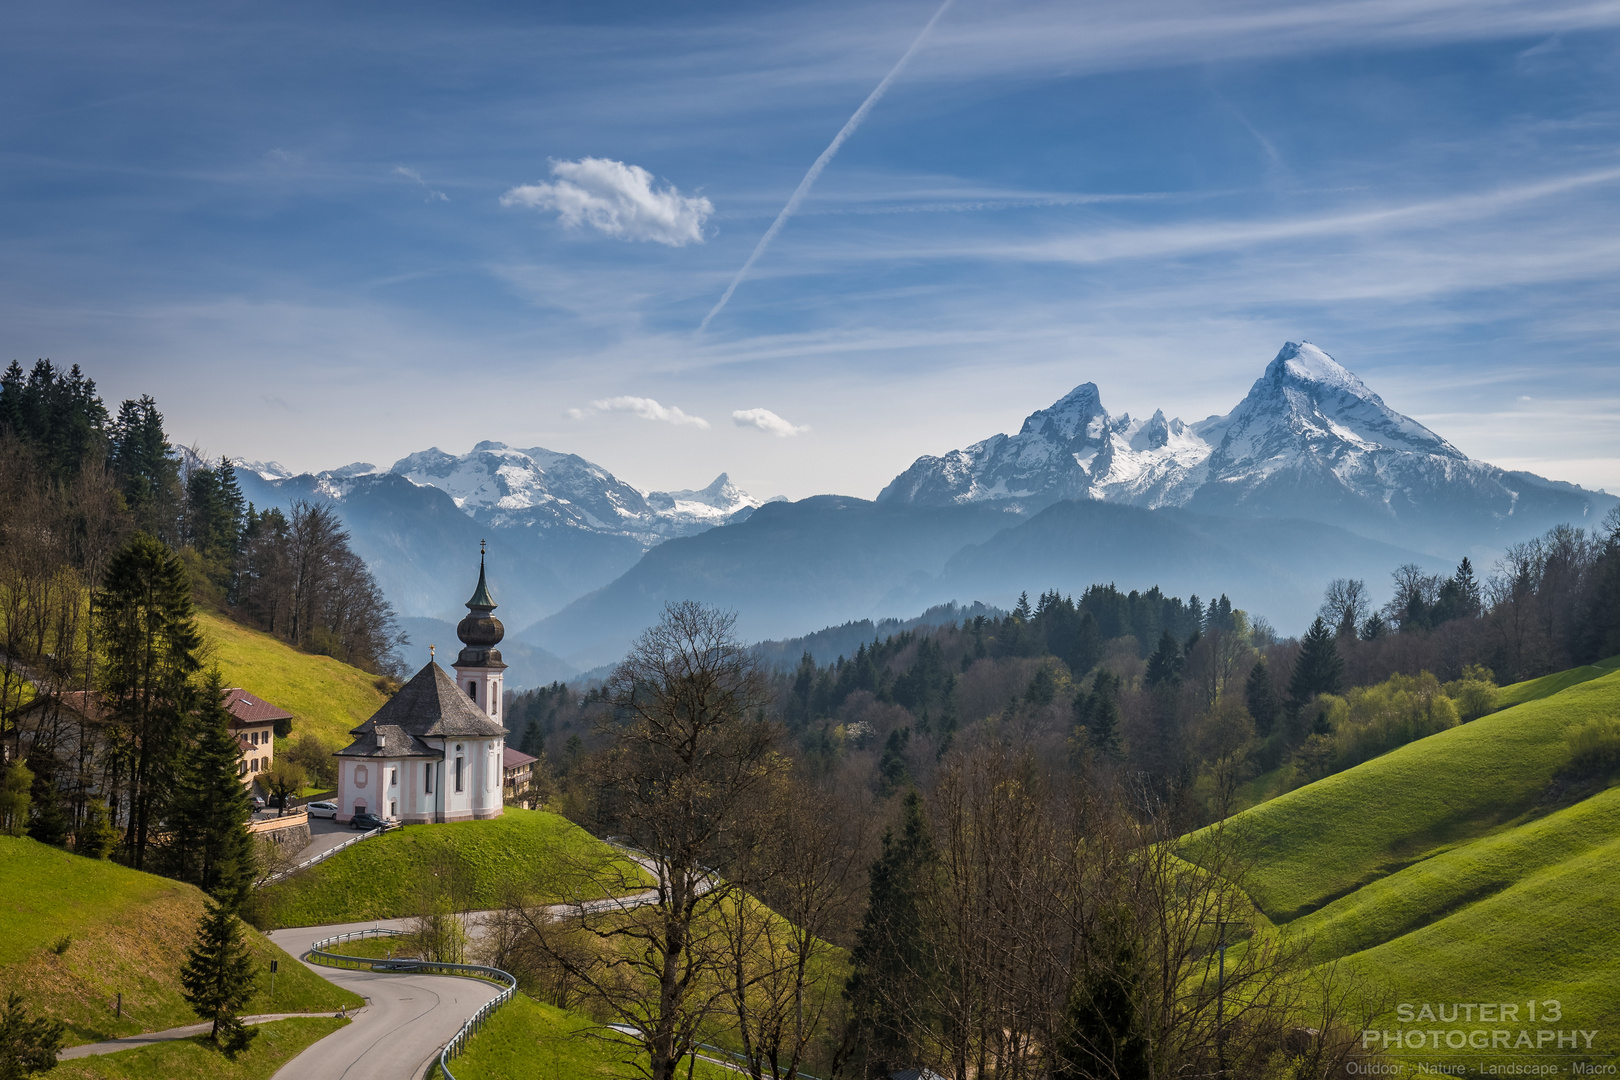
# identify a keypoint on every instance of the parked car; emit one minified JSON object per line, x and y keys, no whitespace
{"x":322,"y":809}
{"x":258,"y":803}
{"x":368,"y":821}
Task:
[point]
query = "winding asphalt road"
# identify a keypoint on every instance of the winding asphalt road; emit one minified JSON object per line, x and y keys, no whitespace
{"x":406,"y":1020}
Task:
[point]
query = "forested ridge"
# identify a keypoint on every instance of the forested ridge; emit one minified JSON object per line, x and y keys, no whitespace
{"x":110,"y":538}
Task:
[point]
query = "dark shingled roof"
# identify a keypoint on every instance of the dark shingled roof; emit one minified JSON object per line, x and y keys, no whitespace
{"x":396,"y":742}
{"x":431,"y":705}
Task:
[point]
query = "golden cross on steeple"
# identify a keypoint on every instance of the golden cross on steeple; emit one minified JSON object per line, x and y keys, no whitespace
{"x":433,"y":653}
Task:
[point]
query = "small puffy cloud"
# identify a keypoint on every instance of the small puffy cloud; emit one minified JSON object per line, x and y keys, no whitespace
{"x":617,"y":199}
{"x":644,"y":407}
{"x":768,"y":422}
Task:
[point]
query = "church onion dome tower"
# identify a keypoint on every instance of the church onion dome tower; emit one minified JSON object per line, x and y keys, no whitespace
{"x":479,"y":667}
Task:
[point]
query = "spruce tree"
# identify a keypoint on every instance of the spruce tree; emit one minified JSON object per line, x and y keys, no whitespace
{"x":212,"y":848}
{"x":1261,"y":698}
{"x":1098,"y":713}
{"x":1319,"y":669}
{"x":892,"y":964}
{"x":218,"y":975}
{"x":892,"y":771}
{"x":149,"y":642}
{"x":1101,"y":1038}
{"x":1164,"y":666}
{"x":48,"y":821}
{"x":27,"y":1046}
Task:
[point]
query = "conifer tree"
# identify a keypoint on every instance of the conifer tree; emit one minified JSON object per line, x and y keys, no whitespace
{"x":1261,"y":698}
{"x":1098,"y":712}
{"x":27,"y":1046}
{"x":892,"y":964}
{"x":212,"y":848}
{"x":1100,"y":1038}
{"x":148,"y":471}
{"x":96,"y":837}
{"x":892,"y":771}
{"x":1319,"y":669}
{"x":48,"y":820}
{"x":217,"y":978}
{"x":149,"y":643}
{"x":1164,"y":666}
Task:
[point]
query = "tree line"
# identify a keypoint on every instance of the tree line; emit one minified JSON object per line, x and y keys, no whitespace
{"x":1025,"y":913}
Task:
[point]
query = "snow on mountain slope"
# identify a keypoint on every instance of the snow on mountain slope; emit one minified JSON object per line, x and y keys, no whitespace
{"x":1310,"y":440}
{"x":499,"y":485}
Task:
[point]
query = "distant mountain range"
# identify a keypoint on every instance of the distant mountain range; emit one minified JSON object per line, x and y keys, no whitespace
{"x":1309,"y":441}
{"x":1312,"y":476}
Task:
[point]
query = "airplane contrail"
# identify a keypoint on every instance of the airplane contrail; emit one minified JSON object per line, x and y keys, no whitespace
{"x":815,"y":170}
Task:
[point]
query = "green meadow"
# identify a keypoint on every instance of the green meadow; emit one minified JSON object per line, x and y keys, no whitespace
{"x":382,"y":878}
{"x":75,"y":933}
{"x":1448,"y":871}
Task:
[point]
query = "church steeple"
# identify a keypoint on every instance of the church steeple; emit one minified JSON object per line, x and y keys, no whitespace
{"x":481,"y":600}
{"x":479,"y":666}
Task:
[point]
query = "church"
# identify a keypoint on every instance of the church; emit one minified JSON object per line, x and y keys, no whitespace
{"x":433,"y":752}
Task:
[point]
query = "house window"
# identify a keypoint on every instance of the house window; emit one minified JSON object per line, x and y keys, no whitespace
{"x":393,"y":777}
{"x":393,"y":809}
{"x":427,"y":778}
{"x":254,"y":738}
{"x":472,"y":690}
{"x":459,"y":763}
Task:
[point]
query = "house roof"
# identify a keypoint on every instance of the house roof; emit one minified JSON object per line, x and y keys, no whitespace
{"x":515,"y":759}
{"x":431,"y":705}
{"x":245,"y":708}
{"x":390,"y":741}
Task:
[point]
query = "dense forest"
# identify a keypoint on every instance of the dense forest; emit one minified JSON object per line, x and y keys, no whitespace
{"x":110,"y":537}
{"x":1209,"y":705}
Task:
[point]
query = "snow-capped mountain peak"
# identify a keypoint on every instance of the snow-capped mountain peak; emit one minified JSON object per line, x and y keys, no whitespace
{"x":1310,"y":439}
{"x":505,"y":485}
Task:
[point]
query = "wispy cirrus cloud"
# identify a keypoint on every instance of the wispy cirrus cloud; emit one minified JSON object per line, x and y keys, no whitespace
{"x":644,"y":407}
{"x":433,"y":195}
{"x":617,"y":199}
{"x":768,"y":422}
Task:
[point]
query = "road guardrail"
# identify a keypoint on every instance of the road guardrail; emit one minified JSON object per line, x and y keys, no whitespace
{"x":387,"y":965}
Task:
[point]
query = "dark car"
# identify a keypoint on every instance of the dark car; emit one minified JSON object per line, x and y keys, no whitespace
{"x":368,"y":821}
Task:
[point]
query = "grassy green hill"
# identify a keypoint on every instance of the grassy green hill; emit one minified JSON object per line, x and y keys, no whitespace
{"x":382,"y":878}
{"x":327,"y":698}
{"x":125,"y":932}
{"x":528,"y":1040}
{"x":1332,"y":837}
{"x":1442,"y":873}
{"x":277,"y":1043}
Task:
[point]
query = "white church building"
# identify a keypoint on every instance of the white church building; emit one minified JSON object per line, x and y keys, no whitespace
{"x":433,"y":752}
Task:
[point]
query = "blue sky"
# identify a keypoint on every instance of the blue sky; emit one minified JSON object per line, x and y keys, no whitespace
{"x":324,"y":233}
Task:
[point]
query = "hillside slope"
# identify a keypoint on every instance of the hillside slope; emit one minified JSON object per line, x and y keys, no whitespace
{"x":1329,"y":838}
{"x":1444,"y":872}
{"x":126,"y":933}
{"x":326,"y":697}
{"x":383,"y":878}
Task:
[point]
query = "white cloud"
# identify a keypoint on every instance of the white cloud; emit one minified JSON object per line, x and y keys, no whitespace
{"x":644,"y":407}
{"x":413,"y":175}
{"x":617,"y":199}
{"x":768,"y":422}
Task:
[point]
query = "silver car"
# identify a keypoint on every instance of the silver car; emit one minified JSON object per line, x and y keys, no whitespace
{"x":322,"y":809}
